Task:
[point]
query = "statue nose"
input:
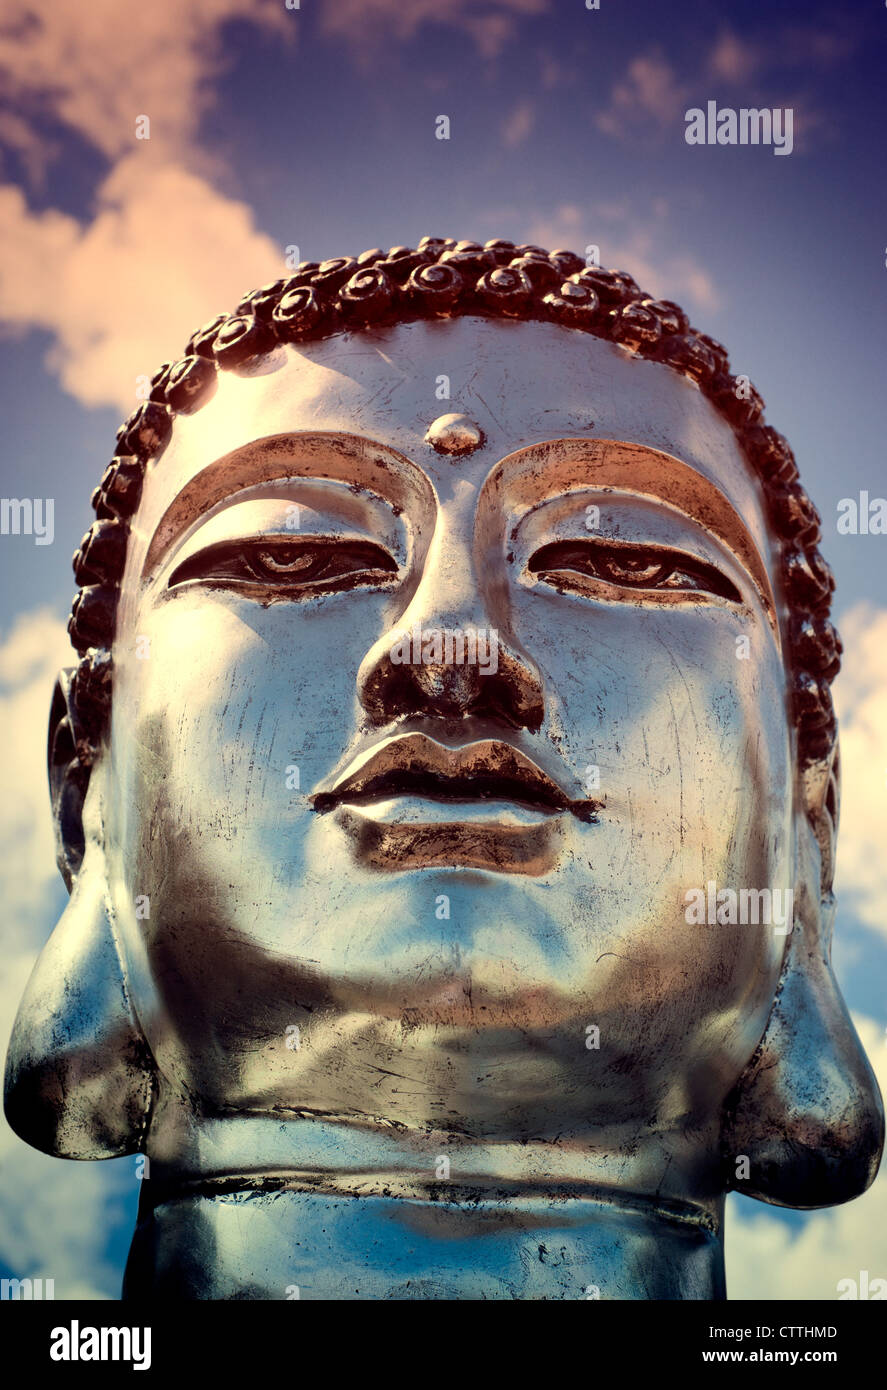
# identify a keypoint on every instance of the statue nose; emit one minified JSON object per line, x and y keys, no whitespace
{"x":450,"y":671}
{"x":446,"y":656}
{"x":442,"y":683}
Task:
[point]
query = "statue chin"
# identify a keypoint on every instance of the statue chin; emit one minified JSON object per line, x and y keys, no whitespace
{"x":451,"y":910}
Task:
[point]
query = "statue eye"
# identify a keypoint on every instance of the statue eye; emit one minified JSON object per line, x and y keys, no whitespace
{"x":646,"y":568}
{"x":317,"y":565}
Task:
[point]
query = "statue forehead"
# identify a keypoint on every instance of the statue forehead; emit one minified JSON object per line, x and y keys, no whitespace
{"x":520,"y":383}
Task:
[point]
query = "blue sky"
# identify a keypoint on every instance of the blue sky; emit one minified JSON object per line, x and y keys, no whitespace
{"x":316,"y":127}
{"x":567,"y":126}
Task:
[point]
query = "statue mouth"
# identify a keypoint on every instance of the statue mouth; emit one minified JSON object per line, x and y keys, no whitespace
{"x":485,"y":772}
{"x":412,"y":802}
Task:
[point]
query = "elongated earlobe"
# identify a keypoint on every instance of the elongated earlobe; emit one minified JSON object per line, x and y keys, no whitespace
{"x":807,"y":1115}
{"x":80,"y":1077}
{"x":79,"y":1074}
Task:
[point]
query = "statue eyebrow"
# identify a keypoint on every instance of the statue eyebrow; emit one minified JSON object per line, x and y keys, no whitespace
{"x":524,"y":479}
{"x":362,"y":463}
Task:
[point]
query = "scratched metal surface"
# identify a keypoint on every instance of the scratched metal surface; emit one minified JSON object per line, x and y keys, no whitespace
{"x":444,"y":906}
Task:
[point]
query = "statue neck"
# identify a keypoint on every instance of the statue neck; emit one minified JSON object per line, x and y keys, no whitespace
{"x":299,"y":1244}
{"x":338,"y":1211}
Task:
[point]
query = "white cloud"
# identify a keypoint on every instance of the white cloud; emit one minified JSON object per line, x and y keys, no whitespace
{"x":164,"y":250}
{"x":54,"y":1216}
{"x":121,"y":294}
{"x":861,"y":701}
{"x":767,"y":1260}
{"x":30,"y":656}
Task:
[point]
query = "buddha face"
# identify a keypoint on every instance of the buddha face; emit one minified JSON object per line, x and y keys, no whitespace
{"x":462,"y":882}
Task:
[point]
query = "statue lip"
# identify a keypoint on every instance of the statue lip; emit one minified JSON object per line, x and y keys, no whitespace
{"x":414,"y":765}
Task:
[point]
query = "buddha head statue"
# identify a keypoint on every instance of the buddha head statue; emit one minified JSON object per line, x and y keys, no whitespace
{"x":447,"y":794}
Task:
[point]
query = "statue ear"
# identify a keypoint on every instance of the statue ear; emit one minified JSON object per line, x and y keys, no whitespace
{"x":68,"y":777}
{"x":80,"y":1077}
{"x":807,"y":1113}
{"x":78,"y":718}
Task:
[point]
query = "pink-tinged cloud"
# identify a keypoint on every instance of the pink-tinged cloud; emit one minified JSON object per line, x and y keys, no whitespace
{"x":489,"y":24}
{"x":734,"y":59}
{"x":518,"y":124}
{"x":647,"y":100}
{"x":34,"y":150}
{"x":121,"y":294}
{"x":634,"y":241}
{"x":97,"y":66}
{"x":739,"y":58}
{"x":651,"y":97}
